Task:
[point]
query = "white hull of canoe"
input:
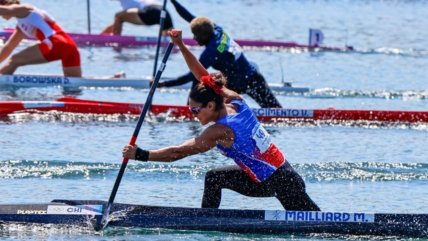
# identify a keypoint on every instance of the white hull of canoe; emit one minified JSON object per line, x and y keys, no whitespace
{"x":31,"y":81}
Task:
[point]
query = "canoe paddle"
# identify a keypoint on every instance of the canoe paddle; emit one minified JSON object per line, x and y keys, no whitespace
{"x":161,"y":24}
{"x":88,"y":11}
{"x":104,"y":220}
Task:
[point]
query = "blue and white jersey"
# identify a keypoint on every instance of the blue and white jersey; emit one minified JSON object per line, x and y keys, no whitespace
{"x":224,"y":54}
{"x":252,"y":148}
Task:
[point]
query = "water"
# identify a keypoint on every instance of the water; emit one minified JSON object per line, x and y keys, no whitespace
{"x":347,"y":167}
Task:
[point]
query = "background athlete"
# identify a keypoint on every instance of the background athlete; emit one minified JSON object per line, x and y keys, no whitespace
{"x":261,"y":169}
{"x":54,"y":44}
{"x":139,"y":12}
{"x":225,"y":55}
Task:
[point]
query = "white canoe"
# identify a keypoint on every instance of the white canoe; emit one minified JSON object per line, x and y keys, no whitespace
{"x":22,"y":81}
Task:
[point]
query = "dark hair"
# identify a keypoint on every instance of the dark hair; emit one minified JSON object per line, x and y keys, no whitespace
{"x":202,"y":93}
{"x":203,"y":29}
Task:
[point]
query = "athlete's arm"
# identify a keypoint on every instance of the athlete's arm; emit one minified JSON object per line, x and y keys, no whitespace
{"x":230,"y":95}
{"x":209,"y":138}
{"x":206,"y":62}
{"x":178,"y":81}
{"x":183,"y":12}
{"x":19,"y":11}
{"x":192,"y":62}
{"x":16,"y":37}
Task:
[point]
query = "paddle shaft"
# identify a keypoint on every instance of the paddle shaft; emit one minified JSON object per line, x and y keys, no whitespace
{"x":146,"y":108}
{"x":88,"y":10}
{"x":161,"y":24}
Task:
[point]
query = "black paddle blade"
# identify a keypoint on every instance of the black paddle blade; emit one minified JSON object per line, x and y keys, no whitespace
{"x":100,"y":225}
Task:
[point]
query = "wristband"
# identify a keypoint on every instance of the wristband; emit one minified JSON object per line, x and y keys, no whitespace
{"x":142,"y":155}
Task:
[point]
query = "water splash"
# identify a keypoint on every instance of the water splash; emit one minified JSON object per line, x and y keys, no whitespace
{"x":54,"y":116}
{"x":407,"y":95}
{"x":364,"y":171}
{"x":25,"y":231}
{"x":16,"y":169}
{"x":55,"y":92}
{"x":57,"y":116}
{"x":389,"y":51}
{"x":320,"y":171}
{"x":351,"y":124}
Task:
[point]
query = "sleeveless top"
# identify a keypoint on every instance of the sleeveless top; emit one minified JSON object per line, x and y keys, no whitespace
{"x":252,"y":148}
{"x":140,"y":4}
{"x":38,"y":24}
{"x":224,"y":54}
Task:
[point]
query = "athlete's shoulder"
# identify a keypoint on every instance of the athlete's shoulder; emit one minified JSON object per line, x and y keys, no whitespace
{"x":223,"y":134}
{"x":20,"y":10}
{"x":217,"y":132}
{"x":240,"y":103}
{"x":218,"y":28}
{"x":217,"y":128}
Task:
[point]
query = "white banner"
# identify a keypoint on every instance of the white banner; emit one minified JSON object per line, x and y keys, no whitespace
{"x":312,"y":216}
{"x":75,"y":210}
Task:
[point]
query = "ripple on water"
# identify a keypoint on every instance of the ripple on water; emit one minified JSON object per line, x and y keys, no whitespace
{"x":318,"y":172}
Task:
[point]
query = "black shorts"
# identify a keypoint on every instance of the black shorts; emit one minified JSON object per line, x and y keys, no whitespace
{"x":285,"y":184}
{"x":150,"y":15}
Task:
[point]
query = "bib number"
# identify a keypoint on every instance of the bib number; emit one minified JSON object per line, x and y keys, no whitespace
{"x":235,"y":49}
{"x":262,"y":138}
{"x":230,"y":46}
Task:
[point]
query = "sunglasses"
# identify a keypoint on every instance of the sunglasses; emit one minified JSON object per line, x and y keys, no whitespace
{"x":196,"y":109}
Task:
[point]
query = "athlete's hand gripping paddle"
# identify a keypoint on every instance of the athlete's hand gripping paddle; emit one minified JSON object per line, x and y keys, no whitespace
{"x":104,"y":220}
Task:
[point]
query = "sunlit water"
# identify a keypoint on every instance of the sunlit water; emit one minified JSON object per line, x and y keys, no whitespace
{"x":347,"y":166}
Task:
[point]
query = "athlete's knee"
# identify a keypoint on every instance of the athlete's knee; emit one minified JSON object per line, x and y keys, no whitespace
{"x":15,"y":61}
{"x":215,"y":179}
{"x":297,"y":184}
{"x":72,"y":71}
{"x":211,"y":177}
